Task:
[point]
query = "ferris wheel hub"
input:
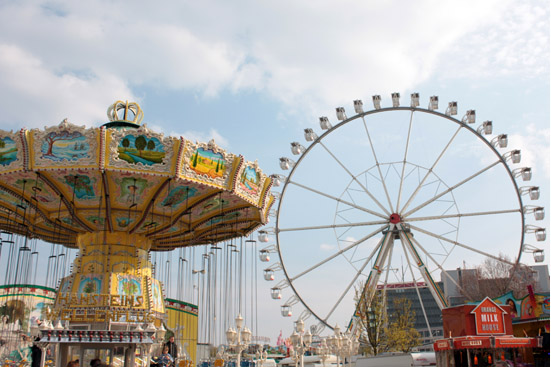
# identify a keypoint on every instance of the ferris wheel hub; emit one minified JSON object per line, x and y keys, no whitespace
{"x":395,"y":218}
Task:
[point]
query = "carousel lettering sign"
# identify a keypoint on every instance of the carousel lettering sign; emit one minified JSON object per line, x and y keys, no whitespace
{"x":92,"y":308}
{"x":489,"y":318}
{"x":90,"y":300}
{"x":90,"y":315}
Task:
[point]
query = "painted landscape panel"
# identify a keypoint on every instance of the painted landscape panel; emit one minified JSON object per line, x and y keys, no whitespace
{"x":8,"y":151}
{"x":207,"y":162}
{"x":141,"y":149}
{"x":250,"y":180}
{"x":65,"y":145}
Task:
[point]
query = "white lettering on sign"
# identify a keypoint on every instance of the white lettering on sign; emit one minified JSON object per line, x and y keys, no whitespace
{"x":488,"y":309}
{"x":489,"y":318}
{"x":471,"y":343}
{"x":490,"y":327}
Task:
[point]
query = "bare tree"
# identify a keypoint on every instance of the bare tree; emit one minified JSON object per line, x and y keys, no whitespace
{"x":494,"y":278}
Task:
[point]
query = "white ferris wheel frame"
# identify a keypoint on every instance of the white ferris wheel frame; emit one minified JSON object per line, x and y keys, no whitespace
{"x":383,"y":250}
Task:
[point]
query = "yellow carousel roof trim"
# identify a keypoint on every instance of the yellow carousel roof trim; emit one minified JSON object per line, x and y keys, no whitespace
{"x":12,"y":151}
{"x":268,"y":206}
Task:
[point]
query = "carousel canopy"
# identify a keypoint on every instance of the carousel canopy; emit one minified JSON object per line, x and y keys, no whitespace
{"x":66,"y":180}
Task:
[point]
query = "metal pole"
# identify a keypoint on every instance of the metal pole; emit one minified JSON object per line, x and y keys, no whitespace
{"x":238,"y":347}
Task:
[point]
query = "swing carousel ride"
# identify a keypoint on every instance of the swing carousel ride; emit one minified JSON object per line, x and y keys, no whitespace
{"x":121,"y":195}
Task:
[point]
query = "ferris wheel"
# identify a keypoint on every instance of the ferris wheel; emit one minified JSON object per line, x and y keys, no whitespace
{"x":395,"y":195}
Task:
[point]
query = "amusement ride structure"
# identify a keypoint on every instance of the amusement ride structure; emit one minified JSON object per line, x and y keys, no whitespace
{"x":118,"y":193}
{"x":395,"y":196}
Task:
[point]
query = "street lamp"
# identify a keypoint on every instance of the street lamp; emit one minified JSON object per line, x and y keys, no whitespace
{"x":238,"y":339}
{"x":351,"y":346}
{"x":301,"y":341}
{"x":324,"y":351}
{"x":261,"y":356}
{"x":343,"y":345}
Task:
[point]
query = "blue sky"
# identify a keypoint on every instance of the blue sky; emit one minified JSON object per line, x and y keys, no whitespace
{"x":252,"y":75}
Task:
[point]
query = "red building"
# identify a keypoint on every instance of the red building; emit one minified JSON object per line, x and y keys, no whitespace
{"x":482,"y":335}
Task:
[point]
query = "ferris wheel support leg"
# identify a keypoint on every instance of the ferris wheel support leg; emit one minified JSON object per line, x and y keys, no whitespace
{"x":433,"y":287}
{"x":371,"y":283}
{"x":415,"y":285}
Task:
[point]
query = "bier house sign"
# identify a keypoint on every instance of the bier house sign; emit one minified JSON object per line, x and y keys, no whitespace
{"x":489,"y":318}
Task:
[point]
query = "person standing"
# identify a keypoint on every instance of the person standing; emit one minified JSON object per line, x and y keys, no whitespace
{"x":36,"y":354}
{"x":172,"y":347}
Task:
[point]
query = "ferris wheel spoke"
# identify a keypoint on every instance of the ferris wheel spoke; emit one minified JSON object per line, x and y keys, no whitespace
{"x":459,"y":215}
{"x":450,"y":189}
{"x":352,"y":245}
{"x":339,"y":200}
{"x":355,"y":179}
{"x":418,"y":245}
{"x":406,"y":239}
{"x":415,"y":282}
{"x":388,"y":267}
{"x":461,"y":245}
{"x":373,"y":278}
{"x":377,"y":164}
{"x":404,"y":163}
{"x":382,"y":246}
{"x":332,"y":226}
{"x":429,"y":172}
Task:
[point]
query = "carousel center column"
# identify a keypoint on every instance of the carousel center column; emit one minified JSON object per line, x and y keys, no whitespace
{"x":110,"y":300}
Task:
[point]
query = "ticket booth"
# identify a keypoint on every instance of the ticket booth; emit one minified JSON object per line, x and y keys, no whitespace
{"x":481,"y":335}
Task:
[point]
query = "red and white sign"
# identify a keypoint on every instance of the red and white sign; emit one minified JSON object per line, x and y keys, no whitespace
{"x":512,"y":342}
{"x":442,"y":344}
{"x":471,"y":342}
{"x":489,"y":318}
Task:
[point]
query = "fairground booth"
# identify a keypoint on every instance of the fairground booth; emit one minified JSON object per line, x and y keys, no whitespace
{"x":482,"y":335}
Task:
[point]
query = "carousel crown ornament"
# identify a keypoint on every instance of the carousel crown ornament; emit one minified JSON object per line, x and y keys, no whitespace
{"x":128,"y":108}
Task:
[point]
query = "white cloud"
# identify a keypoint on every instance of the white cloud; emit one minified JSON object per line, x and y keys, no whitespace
{"x":305,"y":55}
{"x":201,"y":136}
{"x":33,"y":96}
{"x":327,"y":247}
{"x":534,"y":147}
{"x":515,"y":43}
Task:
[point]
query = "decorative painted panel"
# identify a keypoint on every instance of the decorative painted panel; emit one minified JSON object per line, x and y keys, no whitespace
{"x":11,"y":151}
{"x":141,"y":149}
{"x":209,"y":164}
{"x":64,"y":145}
